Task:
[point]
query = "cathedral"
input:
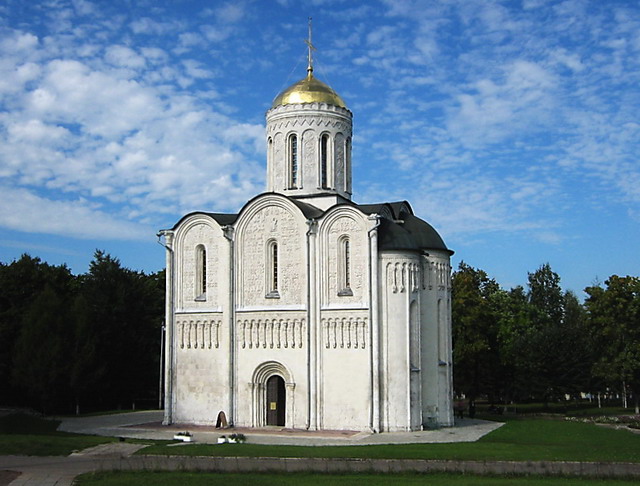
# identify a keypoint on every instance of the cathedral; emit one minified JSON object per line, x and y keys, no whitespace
{"x":306,"y":310}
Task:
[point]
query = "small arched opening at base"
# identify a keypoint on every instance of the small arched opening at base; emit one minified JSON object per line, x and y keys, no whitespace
{"x":221,"y":422}
{"x":276,"y":401}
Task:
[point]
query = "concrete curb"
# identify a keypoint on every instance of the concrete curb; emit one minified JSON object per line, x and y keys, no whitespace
{"x":383,"y":466}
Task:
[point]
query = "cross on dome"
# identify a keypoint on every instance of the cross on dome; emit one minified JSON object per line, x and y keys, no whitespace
{"x":311,"y":48}
{"x":310,"y":89}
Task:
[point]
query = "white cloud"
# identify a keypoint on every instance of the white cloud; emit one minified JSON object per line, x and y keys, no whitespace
{"x":27,"y":212}
{"x":230,"y":13}
{"x":123,"y":56}
{"x":148,"y":26}
{"x":108,"y":128}
{"x":485,"y":115}
{"x":520,"y":102}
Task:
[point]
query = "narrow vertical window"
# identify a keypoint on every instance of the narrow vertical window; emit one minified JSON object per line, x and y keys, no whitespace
{"x":270,"y":164}
{"x":272,"y":274}
{"x":344,"y":267}
{"x":347,"y":264}
{"x":324,"y":156}
{"x":201,"y":273}
{"x":347,"y":167}
{"x":293,"y":162}
{"x":274,"y":265}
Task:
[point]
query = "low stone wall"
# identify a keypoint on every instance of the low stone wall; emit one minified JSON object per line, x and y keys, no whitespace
{"x":331,"y":465}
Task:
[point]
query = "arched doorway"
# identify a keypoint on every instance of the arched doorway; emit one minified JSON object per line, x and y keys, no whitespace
{"x":276,"y":401}
{"x":272,"y":396}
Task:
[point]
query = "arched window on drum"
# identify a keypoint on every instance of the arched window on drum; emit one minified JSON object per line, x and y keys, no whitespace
{"x":294,"y":175}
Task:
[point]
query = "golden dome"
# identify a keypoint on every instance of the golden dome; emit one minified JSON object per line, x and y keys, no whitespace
{"x":308,"y":90}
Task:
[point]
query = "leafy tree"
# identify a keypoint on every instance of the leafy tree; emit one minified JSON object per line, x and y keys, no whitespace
{"x":42,"y":351}
{"x":614,"y":315}
{"x":125,"y":309}
{"x":86,"y":370}
{"x":545,"y":297}
{"x":551,"y":354}
{"x":514,"y":323}
{"x":90,"y":340}
{"x":475,"y":332}
{"x":22,"y":281}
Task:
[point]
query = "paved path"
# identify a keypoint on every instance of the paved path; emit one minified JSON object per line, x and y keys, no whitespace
{"x":60,"y":471}
{"x":147,"y":425}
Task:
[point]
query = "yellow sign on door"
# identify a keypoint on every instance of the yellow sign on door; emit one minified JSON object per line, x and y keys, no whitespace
{"x":272,"y":406}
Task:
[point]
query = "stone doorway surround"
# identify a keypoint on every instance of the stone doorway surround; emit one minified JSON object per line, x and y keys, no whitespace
{"x":259,"y":402}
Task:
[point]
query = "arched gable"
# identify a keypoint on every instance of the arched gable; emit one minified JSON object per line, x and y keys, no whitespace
{"x":198,"y":245}
{"x":270,"y":222}
{"x":343,"y":252}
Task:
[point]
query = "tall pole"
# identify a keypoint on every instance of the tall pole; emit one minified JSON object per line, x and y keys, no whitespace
{"x":161,"y":375}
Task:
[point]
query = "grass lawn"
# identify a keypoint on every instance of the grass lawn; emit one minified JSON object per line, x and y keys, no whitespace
{"x":33,"y":436}
{"x":517,"y":440}
{"x":301,"y":479}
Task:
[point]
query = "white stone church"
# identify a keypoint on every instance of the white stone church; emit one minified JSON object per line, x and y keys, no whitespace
{"x":306,"y":310}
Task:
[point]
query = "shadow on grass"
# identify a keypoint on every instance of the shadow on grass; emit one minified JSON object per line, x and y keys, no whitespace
{"x":29,"y":435}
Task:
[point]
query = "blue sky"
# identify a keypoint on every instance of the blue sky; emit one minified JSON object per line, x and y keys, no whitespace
{"x":511,"y":126}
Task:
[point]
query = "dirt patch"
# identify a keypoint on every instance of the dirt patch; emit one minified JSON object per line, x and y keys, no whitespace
{"x":7,"y":476}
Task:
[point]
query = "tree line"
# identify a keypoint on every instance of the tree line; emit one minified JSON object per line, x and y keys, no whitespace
{"x":79,"y":343}
{"x":92,"y":342}
{"x":541,"y":343}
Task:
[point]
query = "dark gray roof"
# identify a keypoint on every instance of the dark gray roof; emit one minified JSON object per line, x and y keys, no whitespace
{"x":393,"y":208}
{"x":223,"y":219}
{"x":403,"y":231}
{"x":310,"y":212}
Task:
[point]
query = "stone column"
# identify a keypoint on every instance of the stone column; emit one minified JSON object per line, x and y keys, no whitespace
{"x":228,"y":232}
{"x":373,"y":319}
{"x":169,"y":320}
{"x":312,"y":325}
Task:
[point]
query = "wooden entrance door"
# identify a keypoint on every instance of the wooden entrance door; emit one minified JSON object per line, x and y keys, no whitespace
{"x":276,"y":401}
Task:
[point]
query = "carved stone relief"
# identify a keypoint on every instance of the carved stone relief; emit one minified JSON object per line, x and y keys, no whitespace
{"x":198,"y":333}
{"x":271,"y":333}
{"x":309,"y":172}
{"x":436,"y":274}
{"x":320,"y":122}
{"x":403,"y":276}
{"x":345,"y":332}
{"x":339,"y":162}
{"x":278,"y":162}
{"x":272,"y":223}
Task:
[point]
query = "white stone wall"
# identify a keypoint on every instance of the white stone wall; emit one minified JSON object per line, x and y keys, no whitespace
{"x":201,"y":368}
{"x":345,"y":371}
{"x":274,"y":336}
{"x":398,"y":276}
{"x":437,"y":385}
{"x":416,"y":340}
{"x":200,"y":334}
